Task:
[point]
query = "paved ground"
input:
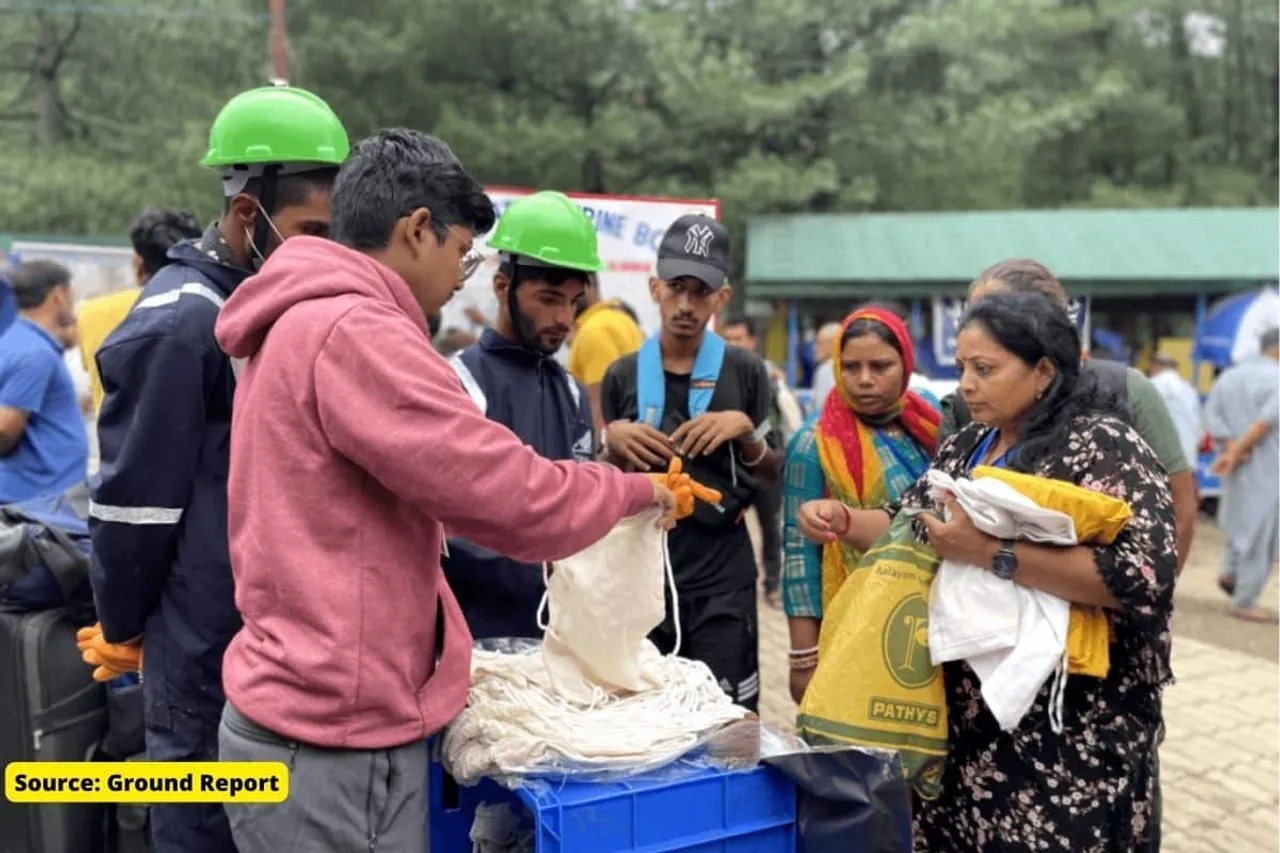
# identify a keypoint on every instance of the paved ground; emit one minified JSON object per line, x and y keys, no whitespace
{"x":1220,"y":763}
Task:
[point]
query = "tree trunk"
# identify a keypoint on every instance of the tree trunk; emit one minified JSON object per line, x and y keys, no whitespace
{"x":52,"y":126}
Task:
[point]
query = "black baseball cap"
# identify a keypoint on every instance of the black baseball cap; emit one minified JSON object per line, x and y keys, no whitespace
{"x":698,"y":246}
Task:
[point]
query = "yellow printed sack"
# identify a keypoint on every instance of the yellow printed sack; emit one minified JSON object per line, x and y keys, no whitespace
{"x":875,"y":685}
{"x":1098,"y":519}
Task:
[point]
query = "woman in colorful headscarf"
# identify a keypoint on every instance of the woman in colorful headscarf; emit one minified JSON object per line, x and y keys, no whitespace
{"x":863,"y":446}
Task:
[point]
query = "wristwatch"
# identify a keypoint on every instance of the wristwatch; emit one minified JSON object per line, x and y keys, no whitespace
{"x":1005,"y":563}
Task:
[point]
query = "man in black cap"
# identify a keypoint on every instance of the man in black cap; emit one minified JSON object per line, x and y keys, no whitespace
{"x":687,"y":394}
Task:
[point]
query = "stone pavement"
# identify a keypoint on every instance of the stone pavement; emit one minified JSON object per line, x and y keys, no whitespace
{"x":1220,"y":764}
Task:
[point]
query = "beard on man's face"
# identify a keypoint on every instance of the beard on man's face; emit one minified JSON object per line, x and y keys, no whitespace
{"x":546,"y":341}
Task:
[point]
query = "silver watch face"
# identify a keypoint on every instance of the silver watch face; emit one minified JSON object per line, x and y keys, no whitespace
{"x":1005,"y":563}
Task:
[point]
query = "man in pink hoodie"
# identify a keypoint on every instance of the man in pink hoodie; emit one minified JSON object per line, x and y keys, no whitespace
{"x":354,"y":448}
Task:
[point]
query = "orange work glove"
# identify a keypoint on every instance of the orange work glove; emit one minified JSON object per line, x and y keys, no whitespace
{"x":110,"y":660}
{"x":685,"y":488}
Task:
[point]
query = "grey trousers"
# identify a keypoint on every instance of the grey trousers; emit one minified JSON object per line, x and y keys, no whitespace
{"x":340,"y":800}
{"x":1250,"y":572}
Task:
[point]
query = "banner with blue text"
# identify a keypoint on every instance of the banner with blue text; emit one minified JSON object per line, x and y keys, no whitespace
{"x":947,"y":312}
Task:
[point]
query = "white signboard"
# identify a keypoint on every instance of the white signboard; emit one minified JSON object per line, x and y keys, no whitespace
{"x":95,"y":270}
{"x":629,"y":229}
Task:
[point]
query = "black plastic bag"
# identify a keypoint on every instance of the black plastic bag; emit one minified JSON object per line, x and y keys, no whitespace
{"x":848,"y":799}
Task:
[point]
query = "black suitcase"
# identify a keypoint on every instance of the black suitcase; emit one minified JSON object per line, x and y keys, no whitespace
{"x":126,"y":826}
{"x":52,"y":710}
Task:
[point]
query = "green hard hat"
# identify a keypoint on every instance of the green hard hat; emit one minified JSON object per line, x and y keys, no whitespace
{"x":276,"y":124}
{"x":550,"y":228}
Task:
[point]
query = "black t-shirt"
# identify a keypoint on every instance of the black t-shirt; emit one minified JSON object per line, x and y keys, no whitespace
{"x":710,"y":552}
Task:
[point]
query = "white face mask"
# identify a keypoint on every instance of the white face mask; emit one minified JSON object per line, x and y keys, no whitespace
{"x":257,"y":258}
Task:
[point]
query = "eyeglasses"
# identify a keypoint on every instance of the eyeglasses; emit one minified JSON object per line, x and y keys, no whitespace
{"x":469,"y":264}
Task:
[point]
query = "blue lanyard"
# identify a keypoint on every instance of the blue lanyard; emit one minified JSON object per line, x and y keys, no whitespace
{"x":984,"y":447}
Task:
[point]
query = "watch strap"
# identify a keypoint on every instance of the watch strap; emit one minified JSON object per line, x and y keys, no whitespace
{"x":1005,"y":563}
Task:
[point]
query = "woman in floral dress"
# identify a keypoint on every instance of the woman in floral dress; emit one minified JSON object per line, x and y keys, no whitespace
{"x":1090,"y":788}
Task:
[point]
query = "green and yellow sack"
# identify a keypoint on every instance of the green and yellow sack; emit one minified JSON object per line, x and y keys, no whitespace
{"x":876,"y":685}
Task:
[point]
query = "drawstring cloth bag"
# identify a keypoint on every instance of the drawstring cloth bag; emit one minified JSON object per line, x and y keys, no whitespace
{"x":595,"y":699}
{"x":603,"y":602}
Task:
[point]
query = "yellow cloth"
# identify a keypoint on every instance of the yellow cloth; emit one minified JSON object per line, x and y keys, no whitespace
{"x":1088,"y":642}
{"x":97,"y":318}
{"x":602,"y":334}
{"x":1098,"y":519}
{"x":875,"y":685}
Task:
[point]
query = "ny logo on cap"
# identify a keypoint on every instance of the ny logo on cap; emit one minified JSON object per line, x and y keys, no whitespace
{"x":697,"y":240}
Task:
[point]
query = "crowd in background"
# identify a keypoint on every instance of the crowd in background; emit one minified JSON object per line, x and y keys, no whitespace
{"x":310,"y":304}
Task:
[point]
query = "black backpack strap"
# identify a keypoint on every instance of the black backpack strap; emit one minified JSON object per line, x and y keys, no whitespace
{"x":17,"y":557}
{"x":49,"y":545}
{"x":64,"y":559}
{"x":59,"y":553}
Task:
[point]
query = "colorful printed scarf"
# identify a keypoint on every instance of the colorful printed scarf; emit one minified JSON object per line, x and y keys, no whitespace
{"x":851,"y":464}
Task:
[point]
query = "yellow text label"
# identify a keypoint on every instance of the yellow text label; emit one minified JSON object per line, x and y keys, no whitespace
{"x":146,"y":782}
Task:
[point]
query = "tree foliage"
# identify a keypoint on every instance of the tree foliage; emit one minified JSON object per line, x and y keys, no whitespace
{"x":768,"y":105}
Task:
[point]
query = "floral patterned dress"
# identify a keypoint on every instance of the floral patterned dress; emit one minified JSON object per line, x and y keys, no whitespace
{"x":1089,"y":789}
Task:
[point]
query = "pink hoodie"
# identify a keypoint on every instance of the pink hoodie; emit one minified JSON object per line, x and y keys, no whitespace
{"x":352,"y":445}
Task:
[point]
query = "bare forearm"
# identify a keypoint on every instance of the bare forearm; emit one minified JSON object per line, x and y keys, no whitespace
{"x":1069,"y":573}
{"x":8,"y":443}
{"x":865,"y":527}
{"x":1252,"y":437}
{"x":767,"y":467}
{"x":1185,"y":509}
{"x":804,"y":632}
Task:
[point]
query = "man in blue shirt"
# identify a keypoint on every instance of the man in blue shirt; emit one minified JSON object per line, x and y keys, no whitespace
{"x":43,"y":445}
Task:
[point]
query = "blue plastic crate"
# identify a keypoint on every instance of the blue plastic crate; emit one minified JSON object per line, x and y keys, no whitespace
{"x":678,"y":809}
{"x":452,"y":808}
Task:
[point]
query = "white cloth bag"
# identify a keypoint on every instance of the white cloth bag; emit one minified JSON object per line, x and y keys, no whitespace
{"x":603,"y":602}
{"x":1014,"y":638}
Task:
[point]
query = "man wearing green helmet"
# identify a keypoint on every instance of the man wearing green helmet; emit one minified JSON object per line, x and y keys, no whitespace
{"x":161,"y":568}
{"x":548,"y":251}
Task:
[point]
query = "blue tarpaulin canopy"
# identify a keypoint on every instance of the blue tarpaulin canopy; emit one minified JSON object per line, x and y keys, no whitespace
{"x":1244,"y":315}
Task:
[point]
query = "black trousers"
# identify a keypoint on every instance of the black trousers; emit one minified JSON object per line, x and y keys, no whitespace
{"x":769,"y":511}
{"x":721,"y":631}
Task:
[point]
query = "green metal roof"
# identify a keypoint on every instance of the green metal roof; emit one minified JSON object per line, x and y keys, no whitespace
{"x":1118,"y":252}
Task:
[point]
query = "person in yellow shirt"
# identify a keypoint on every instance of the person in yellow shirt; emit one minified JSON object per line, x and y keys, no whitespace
{"x":152,"y":234}
{"x":603,"y":332}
